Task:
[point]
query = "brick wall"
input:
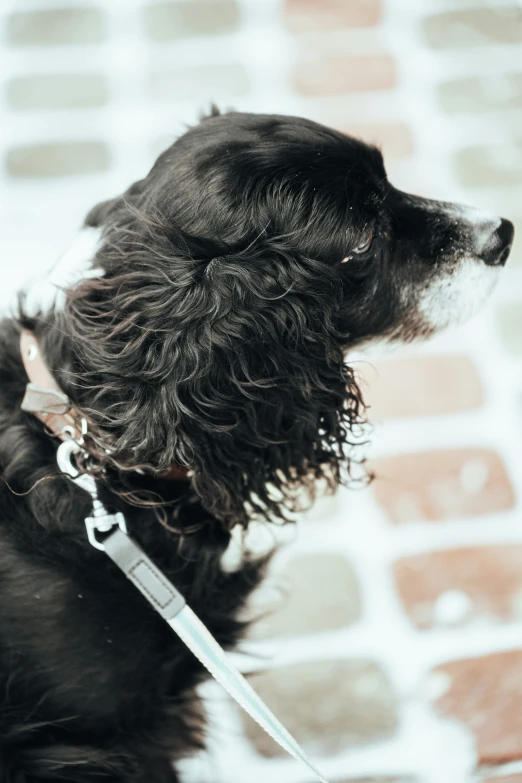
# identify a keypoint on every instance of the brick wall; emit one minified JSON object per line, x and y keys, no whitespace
{"x":395,"y":653}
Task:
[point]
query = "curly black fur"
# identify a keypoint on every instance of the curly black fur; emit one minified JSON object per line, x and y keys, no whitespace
{"x":215,"y":339}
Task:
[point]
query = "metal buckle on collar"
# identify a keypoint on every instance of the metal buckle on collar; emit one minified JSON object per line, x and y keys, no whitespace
{"x":100,"y":521}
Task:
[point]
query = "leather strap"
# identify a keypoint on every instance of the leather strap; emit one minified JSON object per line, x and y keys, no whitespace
{"x":43,"y":396}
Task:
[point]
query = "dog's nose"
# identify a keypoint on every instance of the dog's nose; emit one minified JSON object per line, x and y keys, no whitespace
{"x":498,"y":246}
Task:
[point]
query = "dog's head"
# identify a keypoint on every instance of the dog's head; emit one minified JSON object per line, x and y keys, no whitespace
{"x":235,"y":277}
{"x":440,"y":261}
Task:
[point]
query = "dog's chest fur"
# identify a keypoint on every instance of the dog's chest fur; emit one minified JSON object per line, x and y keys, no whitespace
{"x":82,"y":655}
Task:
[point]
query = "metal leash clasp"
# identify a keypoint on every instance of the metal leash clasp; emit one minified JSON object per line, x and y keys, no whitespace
{"x":100,"y":521}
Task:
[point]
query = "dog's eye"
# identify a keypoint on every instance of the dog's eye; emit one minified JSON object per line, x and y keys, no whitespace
{"x":364,"y":246}
{"x":361,"y":248}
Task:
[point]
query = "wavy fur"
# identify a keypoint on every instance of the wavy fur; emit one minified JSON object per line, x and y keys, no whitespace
{"x":214,"y":337}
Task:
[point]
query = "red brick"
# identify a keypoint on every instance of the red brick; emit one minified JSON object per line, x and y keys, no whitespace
{"x":438,"y":485}
{"x":337,"y":75}
{"x":485,"y":694}
{"x":490,"y":578}
{"x":426,"y":386}
{"x":505,"y":779}
{"x":310,"y":15}
{"x":395,"y":139}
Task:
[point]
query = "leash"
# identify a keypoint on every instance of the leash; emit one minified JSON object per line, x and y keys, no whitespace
{"x":108,"y":533}
{"x":170,"y":604}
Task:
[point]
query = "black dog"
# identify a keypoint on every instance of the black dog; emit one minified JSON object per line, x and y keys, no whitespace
{"x":206,"y":338}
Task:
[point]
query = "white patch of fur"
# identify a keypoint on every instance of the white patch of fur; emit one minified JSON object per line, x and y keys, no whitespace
{"x":453,"y":298}
{"x":447,"y":301}
{"x":74,"y":265}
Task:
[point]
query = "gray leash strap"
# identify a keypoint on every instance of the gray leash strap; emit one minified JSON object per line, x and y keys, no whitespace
{"x":170,"y":604}
{"x":142,"y":572}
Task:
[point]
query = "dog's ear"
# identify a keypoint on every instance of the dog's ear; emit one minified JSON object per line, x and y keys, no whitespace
{"x":229,"y":363}
{"x":275,"y":403}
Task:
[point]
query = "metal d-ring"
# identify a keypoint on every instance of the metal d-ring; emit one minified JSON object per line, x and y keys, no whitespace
{"x":69,"y":431}
{"x":100,"y":521}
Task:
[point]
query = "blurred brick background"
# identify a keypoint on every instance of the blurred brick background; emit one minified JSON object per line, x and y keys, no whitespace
{"x":395,"y":654}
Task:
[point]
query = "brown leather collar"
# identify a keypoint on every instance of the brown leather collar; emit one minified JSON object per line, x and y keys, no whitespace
{"x":44,"y":398}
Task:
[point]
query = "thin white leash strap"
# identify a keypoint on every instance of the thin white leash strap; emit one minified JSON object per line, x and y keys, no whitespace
{"x":170,"y":604}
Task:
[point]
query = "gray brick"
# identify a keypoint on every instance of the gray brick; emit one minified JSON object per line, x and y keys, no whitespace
{"x":509,"y":319}
{"x":328,"y":706}
{"x":491,"y":165}
{"x":482,"y":94}
{"x":473,"y":27}
{"x":57,"y":91}
{"x":57,"y":159}
{"x":169,"y":21}
{"x":200,"y":83}
{"x":55,"y":27}
{"x":319,"y":593}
